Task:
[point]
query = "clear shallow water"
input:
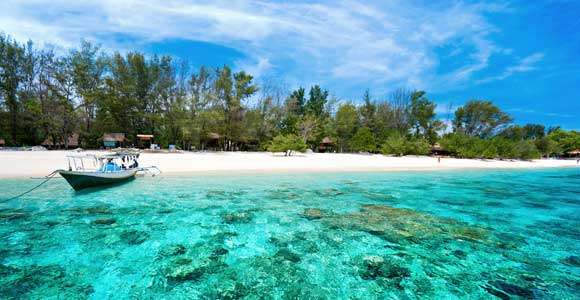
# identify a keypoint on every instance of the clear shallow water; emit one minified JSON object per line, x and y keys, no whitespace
{"x":396,"y":235}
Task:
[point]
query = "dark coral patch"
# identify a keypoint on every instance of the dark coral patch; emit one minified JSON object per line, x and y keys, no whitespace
{"x":134,"y":237}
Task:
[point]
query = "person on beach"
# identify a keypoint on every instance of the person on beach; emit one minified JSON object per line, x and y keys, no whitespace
{"x":439,"y":159}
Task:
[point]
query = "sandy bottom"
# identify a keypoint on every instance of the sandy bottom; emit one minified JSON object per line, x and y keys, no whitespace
{"x":21,"y":164}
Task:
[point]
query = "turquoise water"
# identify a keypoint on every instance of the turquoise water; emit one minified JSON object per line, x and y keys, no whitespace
{"x":392,"y":235}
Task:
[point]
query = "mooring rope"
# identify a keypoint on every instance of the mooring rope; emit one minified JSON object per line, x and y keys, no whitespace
{"x":47,"y":178}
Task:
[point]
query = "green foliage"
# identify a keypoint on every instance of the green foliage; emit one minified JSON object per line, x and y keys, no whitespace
{"x":395,"y":145}
{"x":527,"y":150}
{"x":547,"y":146}
{"x":298,"y":100}
{"x":364,"y":140}
{"x":567,"y":140}
{"x":422,"y":117}
{"x":479,"y":118}
{"x":505,"y":148}
{"x":318,"y":98}
{"x":288,"y":144}
{"x":367,"y":111}
{"x":417,"y":146}
{"x":499,"y":147}
{"x":527,"y":132}
{"x":89,"y":92}
{"x":346,"y":121}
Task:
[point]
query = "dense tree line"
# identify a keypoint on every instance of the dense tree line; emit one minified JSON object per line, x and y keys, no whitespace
{"x":86,"y":91}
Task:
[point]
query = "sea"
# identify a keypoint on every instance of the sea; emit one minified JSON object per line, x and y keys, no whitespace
{"x":462,"y":234}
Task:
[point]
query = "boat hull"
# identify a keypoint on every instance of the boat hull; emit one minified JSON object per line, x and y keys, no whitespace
{"x":83,"y":180}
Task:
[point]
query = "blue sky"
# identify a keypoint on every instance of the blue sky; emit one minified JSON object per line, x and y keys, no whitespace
{"x":523,"y":55}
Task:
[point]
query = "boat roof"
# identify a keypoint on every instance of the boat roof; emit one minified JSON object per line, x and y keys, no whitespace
{"x":104,"y":156}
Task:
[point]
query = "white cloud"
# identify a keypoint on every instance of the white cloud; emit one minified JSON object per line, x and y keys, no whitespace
{"x":526,"y":64}
{"x":377,"y":45}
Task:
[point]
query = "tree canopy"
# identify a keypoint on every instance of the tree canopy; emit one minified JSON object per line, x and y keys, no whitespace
{"x":89,"y":92}
{"x":480,"y":118}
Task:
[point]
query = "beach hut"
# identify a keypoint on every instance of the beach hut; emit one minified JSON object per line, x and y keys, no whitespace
{"x":144,"y":141}
{"x":114,"y":140}
{"x":438,"y":150}
{"x":574,"y":153}
{"x":327,"y":145}
{"x":2,"y":143}
{"x":72,"y":142}
{"x":210,"y":141}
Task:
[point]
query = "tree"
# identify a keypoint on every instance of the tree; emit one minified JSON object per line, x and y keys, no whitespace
{"x":528,"y":132}
{"x":288,"y":144}
{"x":11,"y":60}
{"x":534,"y":131}
{"x":383,"y":126}
{"x":89,"y":92}
{"x":527,"y":150}
{"x":422,"y":113}
{"x":514,"y":133}
{"x":480,"y":118}
{"x":547,"y":146}
{"x":417,"y":146}
{"x":87,"y":69}
{"x":505,"y":147}
{"x":367,"y":111}
{"x":394,"y":145}
{"x":364,"y":140}
{"x":566,"y":140}
{"x":346,"y":120}
{"x":309,"y":128}
{"x":459,"y":144}
{"x":297,"y":100}
{"x":422,"y":117}
{"x":315,"y":104}
{"x":399,"y":104}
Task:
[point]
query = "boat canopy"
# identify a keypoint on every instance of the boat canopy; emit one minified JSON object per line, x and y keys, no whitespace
{"x":114,"y":162}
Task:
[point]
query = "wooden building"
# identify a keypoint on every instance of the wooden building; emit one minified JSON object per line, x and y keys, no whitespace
{"x":574,"y":153}
{"x":327,"y":145}
{"x":437,"y":150}
{"x":72,"y":142}
{"x":211,"y":142}
{"x":114,"y":140}
{"x":144,"y":141}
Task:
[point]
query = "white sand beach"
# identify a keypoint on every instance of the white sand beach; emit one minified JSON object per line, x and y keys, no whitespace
{"x":39,"y":163}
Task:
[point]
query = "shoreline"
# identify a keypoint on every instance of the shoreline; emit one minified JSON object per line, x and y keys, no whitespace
{"x":22,"y":164}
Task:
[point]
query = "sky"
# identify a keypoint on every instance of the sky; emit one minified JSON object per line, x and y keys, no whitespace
{"x":522,"y":55}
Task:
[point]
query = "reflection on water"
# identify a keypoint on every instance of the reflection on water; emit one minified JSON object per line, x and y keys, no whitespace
{"x":413,"y":235}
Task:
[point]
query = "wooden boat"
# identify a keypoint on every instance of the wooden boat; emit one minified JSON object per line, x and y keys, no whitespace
{"x":92,"y":171}
{"x":82,"y":180}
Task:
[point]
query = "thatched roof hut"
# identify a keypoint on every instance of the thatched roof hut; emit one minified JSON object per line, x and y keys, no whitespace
{"x":326,"y":145}
{"x":437,"y":149}
{"x":212,"y":136}
{"x":574,"y":152}
{"x":2,"y":143}
{"x":113,"y":140}
{"x":327,"y":141}
{"x":114,"y":137}
{"x":72,"y":142}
